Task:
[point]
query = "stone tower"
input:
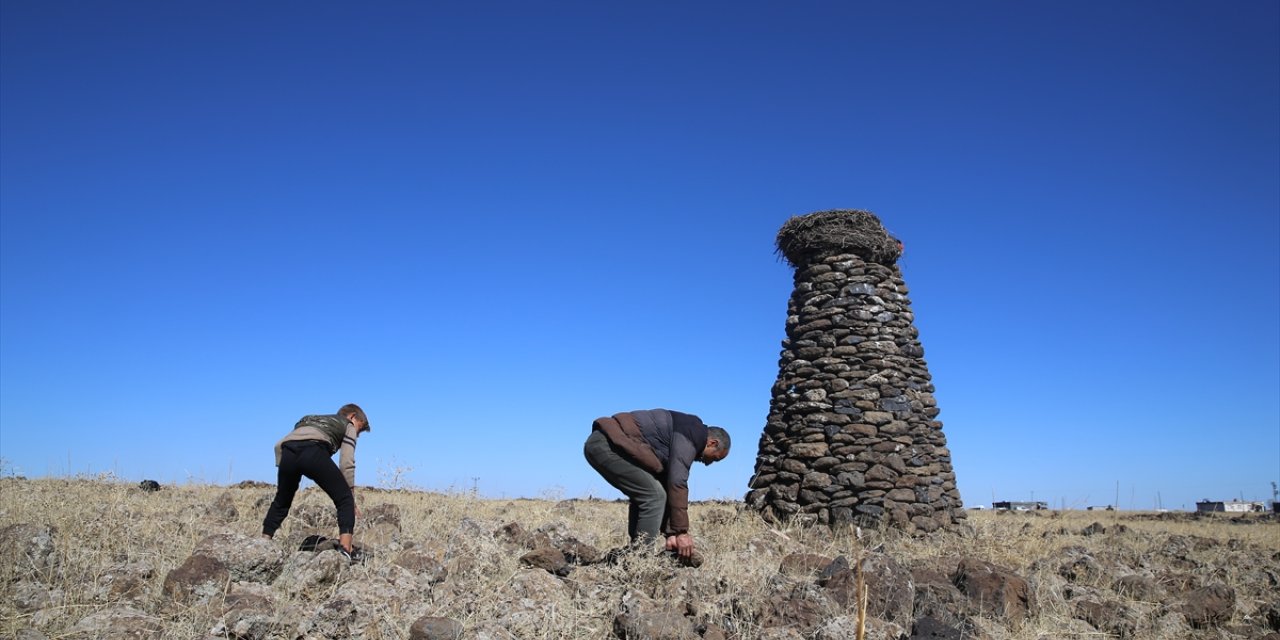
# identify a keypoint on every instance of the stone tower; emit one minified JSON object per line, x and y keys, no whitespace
{"x":852,"y":436}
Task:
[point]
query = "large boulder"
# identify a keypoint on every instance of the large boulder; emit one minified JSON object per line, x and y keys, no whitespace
{"x":249,"y":612}
{"x":1209,"y":606}
{"x":435,"y":628}
{"x":28,"y":551}
{"x":305,"y":571}
{"x":994,"y":590}
{"x":122,"y":623}
{"x":199,"y":579}
{"x":890,"y":588}
{"x":247,"y":558}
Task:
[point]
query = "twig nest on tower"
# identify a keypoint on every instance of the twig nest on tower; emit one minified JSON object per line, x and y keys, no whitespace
{"x":806,"y":239}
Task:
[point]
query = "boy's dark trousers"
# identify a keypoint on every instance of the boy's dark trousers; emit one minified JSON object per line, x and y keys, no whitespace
{"x":310,"y":458}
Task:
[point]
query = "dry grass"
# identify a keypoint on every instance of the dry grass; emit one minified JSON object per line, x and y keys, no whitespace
{"x":102,"y":526}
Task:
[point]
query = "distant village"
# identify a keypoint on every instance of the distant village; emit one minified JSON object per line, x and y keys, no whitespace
{"x":1203,"y":506}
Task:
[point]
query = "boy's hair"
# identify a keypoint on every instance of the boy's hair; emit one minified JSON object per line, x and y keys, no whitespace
{"x":721,"y":436}
{"x":354,"y":409}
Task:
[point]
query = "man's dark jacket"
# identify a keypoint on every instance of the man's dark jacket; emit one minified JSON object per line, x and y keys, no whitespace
{"x":665,"y":443}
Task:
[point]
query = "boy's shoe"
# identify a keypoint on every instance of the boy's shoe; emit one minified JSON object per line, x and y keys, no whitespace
{"x":355,"y":556}
{"x":313,"y":543}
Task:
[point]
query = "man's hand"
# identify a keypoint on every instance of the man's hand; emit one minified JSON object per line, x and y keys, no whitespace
{"x":681,"y":544}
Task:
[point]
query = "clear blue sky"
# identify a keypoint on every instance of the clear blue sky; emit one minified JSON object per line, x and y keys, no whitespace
{"x":489,"y":223}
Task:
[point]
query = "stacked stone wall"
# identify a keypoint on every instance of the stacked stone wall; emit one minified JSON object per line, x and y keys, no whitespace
{"x":852,"y":435}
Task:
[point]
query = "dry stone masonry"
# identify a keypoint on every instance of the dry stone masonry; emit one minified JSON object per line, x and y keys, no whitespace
{"x":852,"y":435}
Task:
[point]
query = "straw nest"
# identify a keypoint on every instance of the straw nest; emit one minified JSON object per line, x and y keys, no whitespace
{"x":806,"y":239}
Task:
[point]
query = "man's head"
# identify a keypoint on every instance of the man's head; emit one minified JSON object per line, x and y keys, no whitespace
{"x":717,"y":448}
{"x":356,"y":415}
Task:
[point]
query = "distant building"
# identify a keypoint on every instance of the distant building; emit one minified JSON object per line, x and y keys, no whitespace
{"x":1230,"y":506}
{"x":1020,"y":506}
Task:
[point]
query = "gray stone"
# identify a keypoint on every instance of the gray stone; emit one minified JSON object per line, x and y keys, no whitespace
{"x":30,"y":596}
{"x":198,"y":580}
{"x":29,"y":549}
{"x":1209,"y":606}
{"x":249,"y":613}
{"x":121,"y":623}
{"x":653,"y":625}
{"x":995,"y":590}
{"x":247,"y":558}
{"x":435,"y":628}
{"x":306,"y":571}
{"x":423,"y":564}
{"x":223,"y":508}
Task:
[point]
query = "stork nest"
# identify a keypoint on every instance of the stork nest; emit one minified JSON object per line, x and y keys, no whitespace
{"x":804,"y":240}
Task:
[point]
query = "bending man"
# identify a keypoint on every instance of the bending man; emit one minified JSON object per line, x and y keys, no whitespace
{"x":647,"y":455}
{"x":307,"y":451}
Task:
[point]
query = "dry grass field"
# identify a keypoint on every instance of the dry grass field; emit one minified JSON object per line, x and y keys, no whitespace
{"x":97,"y":558}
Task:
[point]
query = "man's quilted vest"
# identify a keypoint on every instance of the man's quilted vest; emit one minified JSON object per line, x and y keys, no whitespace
{"x":333,"y":427}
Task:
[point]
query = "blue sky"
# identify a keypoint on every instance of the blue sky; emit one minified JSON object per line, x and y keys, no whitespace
{"x":489,"y":223}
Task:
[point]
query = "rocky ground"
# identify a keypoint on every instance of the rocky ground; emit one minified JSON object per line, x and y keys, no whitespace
{"x":88,"y":559}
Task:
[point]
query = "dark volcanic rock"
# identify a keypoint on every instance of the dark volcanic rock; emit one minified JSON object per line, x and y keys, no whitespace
{"x":548,"y":558}
{"x":1209,"y":606}
{"x":198,"y":579}
{"x":995,"y":590}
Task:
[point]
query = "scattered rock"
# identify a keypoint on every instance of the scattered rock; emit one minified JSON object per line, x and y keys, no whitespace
{"x":536,"y":586}
{"x":29,"y":550}
{"x":548,"y":558}
{"x":890,"y":590}
{"x":383,"y":514}
{"x":513,"y":533}
{"x":249,"y":613}
{"x":128,"y":581}
{"x":780,"y":633}
{"x":122,"y":623}
{"x":1209,"y":606}
{"x":578,"y":552}
{"x":930,"y":628}
{"x":1110,"y":617}
{"x":433,"y":628}
{"x":224,"y":508}
{"x":653,"y":625}
{"x":247,"y":558}
{"x":803,"y":608}
{"x":149,"y":485}
{"x":1270,"y":613}
{"x":492,"y":631}
{"x":803,"y":564}
{"x":1138,"y":587}
{"x":333,"y":619}
{"x":197,"y":580}
{"x":304,"y":571}
{"x":30,"y":595}
{"x":995,"y":590}
{"x":423,"y":564}
{"x":1079,"y":566}
{"x":939,"y":602}
{"x":1093,"y":529}
{"x":315,"y":516}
